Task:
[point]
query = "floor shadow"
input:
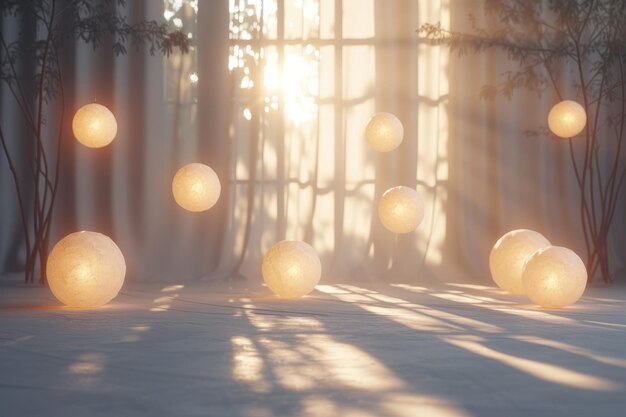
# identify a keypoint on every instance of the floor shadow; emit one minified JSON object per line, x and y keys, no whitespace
{"x":374,"y":351}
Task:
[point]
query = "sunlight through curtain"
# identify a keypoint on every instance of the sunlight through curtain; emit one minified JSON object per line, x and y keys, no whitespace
{"x":305,"y":78}
{"x":275,"y":96}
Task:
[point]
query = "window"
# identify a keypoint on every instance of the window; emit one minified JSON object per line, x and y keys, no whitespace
{"x":282,"y":58}
{"x":180,"y":72}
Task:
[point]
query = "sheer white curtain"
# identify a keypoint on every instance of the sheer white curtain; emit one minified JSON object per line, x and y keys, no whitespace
{"x":299,"y":167}
{"x":287,"y":143}
{"x":279,"y":113}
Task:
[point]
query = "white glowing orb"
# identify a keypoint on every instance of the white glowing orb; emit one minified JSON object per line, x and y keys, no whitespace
{"x":85,"y":269}
{"x":94,"y":125}
{"x":554,"y":277}
{"x":196,"y":187}
{"x":291,"y":269}
{"x":567,"y":119}
{"x":384,"y":132}
{"x":508,"y":256}
{"x":401,"y":209}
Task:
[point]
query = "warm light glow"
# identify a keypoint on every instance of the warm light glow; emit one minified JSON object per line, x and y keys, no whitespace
{"x":412,"y":315}
{"x":567,"y":119}
{"x":574,"y":350}
{"x":297,"y":83}
{"x":384,"y":132}
{"x":291,"y":269}
{"x":329,"y":142}
{"x":290,"y":75}
{"x":507,"y":258}
{"x":248,"y":364}
{"x":196,"y":187}
{"x":554,"y":277}
{"x":94,"y":125}
{"x":540,"y":370}
{"x":85,"y":269}
{"x":401,"y":209}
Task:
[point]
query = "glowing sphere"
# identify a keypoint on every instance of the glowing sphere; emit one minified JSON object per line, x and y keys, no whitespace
{"x":401,"y":209}
{"x":94,"y":125}
{"x":291,"y":269}
{"x":85,"y":269}
{"x":554,"y":277}
{"x":384,"y":132}
{"x":567,"y":119}
{"x":508,"y":256}
{"x":196,"y":187}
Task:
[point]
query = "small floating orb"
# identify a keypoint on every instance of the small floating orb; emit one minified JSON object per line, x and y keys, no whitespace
{"x":85,"y":270}
{"x":384,"y":132}
{"x":196,"y":187}
{"x":401,"y":209}
{"x":508,"y":255}
{"x":291,"y":269}
{"x":554,"y":277}
{"x":94,"y":125}
{"x":567,"y":119}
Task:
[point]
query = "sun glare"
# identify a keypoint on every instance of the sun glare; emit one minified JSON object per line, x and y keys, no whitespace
{"x":291,"y":76}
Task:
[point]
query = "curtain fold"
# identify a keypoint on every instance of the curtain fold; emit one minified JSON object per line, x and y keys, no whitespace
{"x":284,"y":132}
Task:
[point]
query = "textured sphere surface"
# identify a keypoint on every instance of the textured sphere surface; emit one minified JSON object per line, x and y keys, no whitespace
{"x":567,"y":119}
{"x":554,"y":277}
{"x":85,"y":269}
{"x":291,"y":269}
{"x":401,"y":209}
{"x":508,"y":255}
{"x":196,"y":187}
{"x":384,"y":132}
{"x":94,"y":125}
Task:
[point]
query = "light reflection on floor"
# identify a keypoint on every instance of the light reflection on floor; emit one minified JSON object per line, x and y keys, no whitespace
{"x":310,"y":359}
{"x":544,"y":371}
{"x":540,"y":370}
{"x":496,"y":305}
{"x":346,"y":349}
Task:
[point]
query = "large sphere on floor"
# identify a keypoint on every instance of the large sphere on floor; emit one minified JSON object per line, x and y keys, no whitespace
{"x":401,"y":209}
{"x":554,"y":277}
{"x":384,"y":132}
{"x":94,"y":125}
{"x":291,"y":269}
{"x":85,"y":269}
{"x":196,"y":187}
{"x":508,"y":255}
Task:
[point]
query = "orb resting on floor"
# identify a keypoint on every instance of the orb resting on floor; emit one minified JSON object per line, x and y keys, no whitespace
{"x":508,"y":255}
{"x":291,"y":269}
{"x":85,"y":270}
{"x":554,"y":277}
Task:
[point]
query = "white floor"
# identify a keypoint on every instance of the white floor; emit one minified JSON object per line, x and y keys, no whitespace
{"x":344,"y":351}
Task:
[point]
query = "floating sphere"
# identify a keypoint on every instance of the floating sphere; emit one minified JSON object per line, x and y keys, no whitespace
{"x":507,"y":258}
{"x":567,"y":119}
{"x":94,"y":125}
{"x":401,"y":209}
{"x":291,"y":269}
{"x":384,"y":132}
{"x":196,"y":187}
{"x":554,"y":277}
{"x":85,"y":269}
